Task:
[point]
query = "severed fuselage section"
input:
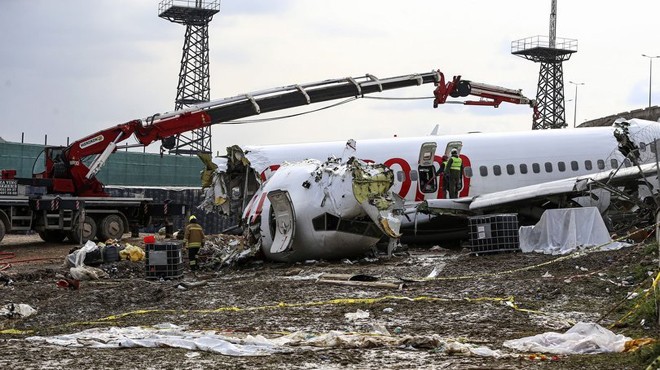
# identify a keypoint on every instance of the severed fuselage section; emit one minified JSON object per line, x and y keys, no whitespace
{"x":312,"y":209}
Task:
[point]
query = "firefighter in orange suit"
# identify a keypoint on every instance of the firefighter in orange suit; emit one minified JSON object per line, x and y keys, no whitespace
{"x":193,"y":238}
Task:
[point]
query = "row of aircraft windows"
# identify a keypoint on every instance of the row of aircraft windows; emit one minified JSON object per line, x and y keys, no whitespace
{"x":548,"y":167}
{"x":523,"y":168}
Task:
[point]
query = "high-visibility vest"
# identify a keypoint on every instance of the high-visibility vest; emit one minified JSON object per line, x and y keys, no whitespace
{"x":456,"y":163}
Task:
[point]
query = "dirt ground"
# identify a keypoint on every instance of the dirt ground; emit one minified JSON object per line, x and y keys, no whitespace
{"x":481,"y":300}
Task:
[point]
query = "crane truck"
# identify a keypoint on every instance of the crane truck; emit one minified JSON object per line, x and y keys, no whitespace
{"x":72,"y":203}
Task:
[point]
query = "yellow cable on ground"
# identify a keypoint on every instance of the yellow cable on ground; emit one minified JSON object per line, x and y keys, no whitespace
{"x":508,"y":301}
{"x":16,"y":331}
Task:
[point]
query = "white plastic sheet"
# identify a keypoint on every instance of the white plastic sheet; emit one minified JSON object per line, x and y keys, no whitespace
{"x":11,"y":310}
{"x":164,"y":335}
{"x":169,"y":335}
{"x":583,"y":338}
{"x":562,"y":231}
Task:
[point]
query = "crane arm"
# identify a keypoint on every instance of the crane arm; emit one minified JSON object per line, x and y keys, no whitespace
{"x":271,"y":100}
{"x":164,"y":126}
{"x":491,"y":95}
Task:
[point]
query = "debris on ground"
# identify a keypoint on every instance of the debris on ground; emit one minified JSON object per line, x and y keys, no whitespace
{"x":14,"y":311}
{"x":456,"y":318}
{"x":225,"y":250}
{"x":173,"y":336}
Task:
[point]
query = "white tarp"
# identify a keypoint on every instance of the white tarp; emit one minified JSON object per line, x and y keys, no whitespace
{"x":164,"y":335}
{"x":583,"y":338}
{"x":169,"y":335}
{"x":561,"y":231}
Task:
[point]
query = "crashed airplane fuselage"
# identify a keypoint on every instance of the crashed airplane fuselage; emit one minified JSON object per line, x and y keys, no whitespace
{"x":329,"y":210}
{"x":493,"y":163}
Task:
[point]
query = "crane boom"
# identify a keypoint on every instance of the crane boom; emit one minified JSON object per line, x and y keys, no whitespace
{"x":66,"y":172}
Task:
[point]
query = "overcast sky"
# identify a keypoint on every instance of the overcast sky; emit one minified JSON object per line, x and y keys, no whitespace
{"x":73,"y":67}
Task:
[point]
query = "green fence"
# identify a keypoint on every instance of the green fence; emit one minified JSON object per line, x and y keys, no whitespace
{"x":122,"y":168}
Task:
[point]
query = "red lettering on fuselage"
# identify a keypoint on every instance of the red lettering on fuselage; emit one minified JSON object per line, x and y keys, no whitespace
{"x":405,"y":167}
{"x":465,"y":190}
{"x":406,"y":184}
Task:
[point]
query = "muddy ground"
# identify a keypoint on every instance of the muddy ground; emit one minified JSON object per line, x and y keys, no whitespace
{"x":468,"y":302}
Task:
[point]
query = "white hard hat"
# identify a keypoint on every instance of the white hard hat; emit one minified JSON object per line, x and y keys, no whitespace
{"x":454,"y":151}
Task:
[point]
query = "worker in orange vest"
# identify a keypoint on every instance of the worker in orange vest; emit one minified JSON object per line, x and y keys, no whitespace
{"x":193,"y":239}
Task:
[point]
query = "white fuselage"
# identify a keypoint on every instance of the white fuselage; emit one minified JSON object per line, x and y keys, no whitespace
{"x":492,"y":162}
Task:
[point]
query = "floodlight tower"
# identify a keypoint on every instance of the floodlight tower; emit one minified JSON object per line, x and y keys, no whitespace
{"x":551,"y":53}
{"x":194,"y":77}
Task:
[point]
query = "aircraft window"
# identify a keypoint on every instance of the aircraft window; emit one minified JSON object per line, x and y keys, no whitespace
{"x":510,"y":169}
{"x":587,"y":165}
{"x":561,"y":166}
{"x":497,"y":170}
{"x":467,"y":171}
{"x":400,"y":176}
{"x":483,"y":171}
{"x":574,"y":165}
{"x":536,"y":167}
{"x":642,"y":147}
{"x":523,"y":168}
{"x":652,"y":147}
{"x":601,"y":164}
{"x":614,"y":163}
{"x":626,"y":162}
{"x":413,"y":175}
{"x":548,"y":167}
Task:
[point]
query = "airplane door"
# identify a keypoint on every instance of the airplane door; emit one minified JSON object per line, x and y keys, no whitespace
{"x":428,"y":182}
{"x":453,"y":145}
{"x":283,"y":220}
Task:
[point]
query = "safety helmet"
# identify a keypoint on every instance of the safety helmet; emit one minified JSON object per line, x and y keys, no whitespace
{"x":454,"y":151}
{"x":192,"y":218}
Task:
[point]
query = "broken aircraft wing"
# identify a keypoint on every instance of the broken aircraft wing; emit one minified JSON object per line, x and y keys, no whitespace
{"x":572,"y":186}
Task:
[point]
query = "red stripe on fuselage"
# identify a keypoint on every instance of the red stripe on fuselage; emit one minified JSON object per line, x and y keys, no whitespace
{"x":405,"y":167}
{"x":406,"y":184}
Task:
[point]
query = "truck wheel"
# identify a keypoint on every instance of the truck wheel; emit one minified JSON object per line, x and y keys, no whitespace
{"x":52,"y":236}
{"x":2,"y":230}
{"x":88,"y":230}
{"x":110,"y":227}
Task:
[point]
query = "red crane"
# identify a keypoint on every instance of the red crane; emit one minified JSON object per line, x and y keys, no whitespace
{"x":66,"y":173}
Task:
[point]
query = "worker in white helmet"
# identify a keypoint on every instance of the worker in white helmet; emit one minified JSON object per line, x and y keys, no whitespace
{"x":454,"y":170}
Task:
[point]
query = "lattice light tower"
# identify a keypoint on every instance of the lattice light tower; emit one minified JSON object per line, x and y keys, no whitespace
{"x":551,"y":53}
{"x":194,"y":77}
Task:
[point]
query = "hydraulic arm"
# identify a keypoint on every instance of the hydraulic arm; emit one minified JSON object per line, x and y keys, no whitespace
{"x":491,"y":95}
{"x":66,"y":172}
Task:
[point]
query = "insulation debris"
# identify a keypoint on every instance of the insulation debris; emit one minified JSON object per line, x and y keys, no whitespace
{"x":225,"y":250}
